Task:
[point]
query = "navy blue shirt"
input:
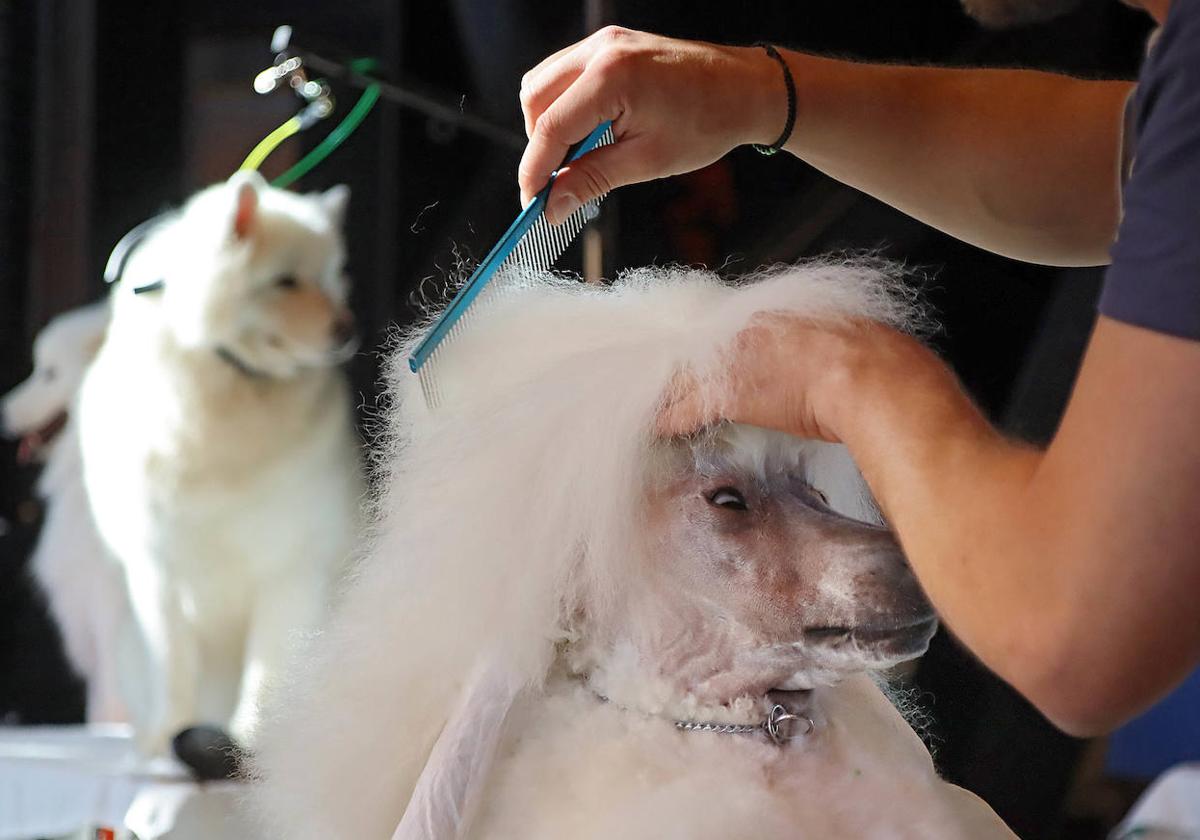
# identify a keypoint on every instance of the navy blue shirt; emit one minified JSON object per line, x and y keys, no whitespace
{"x":1154,"y":279}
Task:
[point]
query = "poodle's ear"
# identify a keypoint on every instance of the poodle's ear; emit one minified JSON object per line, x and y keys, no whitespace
{"x":333,"y":201}
{"x":246,"y":187}
{"x":447,"y":794}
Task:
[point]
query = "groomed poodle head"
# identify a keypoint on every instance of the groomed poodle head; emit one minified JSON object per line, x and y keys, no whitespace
{"x":36,"y":409}
{"x":255,"y":273}
{"x":534,"y":520}
{"x":754,"y":575}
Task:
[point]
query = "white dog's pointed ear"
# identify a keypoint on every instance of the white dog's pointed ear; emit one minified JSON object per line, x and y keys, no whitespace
{"x":246,"y":185}
{"x":449,"y":790}
{"x":334,"y":201}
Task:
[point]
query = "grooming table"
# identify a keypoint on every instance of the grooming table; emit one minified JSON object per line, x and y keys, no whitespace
{"x":58,"y":781}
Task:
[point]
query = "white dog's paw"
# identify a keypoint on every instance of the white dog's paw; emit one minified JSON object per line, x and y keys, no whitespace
{"x":208,"y":752}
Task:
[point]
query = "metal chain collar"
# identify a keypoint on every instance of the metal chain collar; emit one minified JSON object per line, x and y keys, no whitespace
{"x":780,"y":726}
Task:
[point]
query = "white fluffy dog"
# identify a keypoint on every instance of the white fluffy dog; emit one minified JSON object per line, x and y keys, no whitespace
{"x":218,"y":444}
{"x":569,"y":630}
{"x":84,"y":587}
{"x":37,"y":409}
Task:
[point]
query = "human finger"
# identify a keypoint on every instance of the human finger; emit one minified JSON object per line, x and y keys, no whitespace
{"x":571,"y":117}
{"x":686,"y":408}
{"x":596,"y":174}
{"x":544,"y":83}
{"x":551,"y":59}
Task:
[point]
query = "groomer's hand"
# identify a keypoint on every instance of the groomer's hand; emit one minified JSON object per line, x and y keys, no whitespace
{"x":809,"y":379}
{"x":676,"y":106}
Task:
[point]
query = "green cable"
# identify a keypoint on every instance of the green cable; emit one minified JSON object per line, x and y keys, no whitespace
{"x":326,"y":147}
{"x":269,"y":143}
{"x":334,"y":139}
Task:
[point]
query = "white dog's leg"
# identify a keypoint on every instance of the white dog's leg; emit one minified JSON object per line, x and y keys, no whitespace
{"x":106,"y":701}
{"x":173,"y":655}
{"x":283,"y":610}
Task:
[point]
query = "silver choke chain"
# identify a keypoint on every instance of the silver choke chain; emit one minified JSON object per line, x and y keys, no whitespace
{"x":780,"y":726}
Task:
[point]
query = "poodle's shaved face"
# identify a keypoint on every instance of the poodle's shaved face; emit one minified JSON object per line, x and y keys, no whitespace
{"x":782,"y":590}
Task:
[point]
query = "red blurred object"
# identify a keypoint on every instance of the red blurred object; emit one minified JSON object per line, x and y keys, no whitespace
{"x":697,"y":219}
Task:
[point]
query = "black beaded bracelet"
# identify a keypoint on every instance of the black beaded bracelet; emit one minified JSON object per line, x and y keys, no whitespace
{"x":791,"y":103}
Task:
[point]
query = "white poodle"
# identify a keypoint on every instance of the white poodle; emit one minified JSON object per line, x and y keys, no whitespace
{"x":218,"y":444}
{"x":568,"y":629}
{"x":84,"y":587}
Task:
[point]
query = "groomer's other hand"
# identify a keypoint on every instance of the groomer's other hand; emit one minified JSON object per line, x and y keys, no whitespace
{"x":676,"y":106}
{"x":806,"y":378}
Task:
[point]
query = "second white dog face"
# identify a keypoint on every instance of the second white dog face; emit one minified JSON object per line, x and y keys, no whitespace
{"x":37,"y":408}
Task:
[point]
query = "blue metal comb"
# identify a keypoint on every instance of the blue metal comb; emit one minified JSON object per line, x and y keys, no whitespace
{"x":530,"y":243}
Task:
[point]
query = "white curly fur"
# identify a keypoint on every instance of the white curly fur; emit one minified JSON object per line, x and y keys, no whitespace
{"x":506,"y":513}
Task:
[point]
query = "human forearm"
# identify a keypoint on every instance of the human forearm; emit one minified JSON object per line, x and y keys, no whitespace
{"x":1019,"y":162}
{"x":1064,"y":571}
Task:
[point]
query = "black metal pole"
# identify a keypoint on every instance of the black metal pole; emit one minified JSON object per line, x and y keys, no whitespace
{"x":418,"y":97}
{"x":600,"y":237}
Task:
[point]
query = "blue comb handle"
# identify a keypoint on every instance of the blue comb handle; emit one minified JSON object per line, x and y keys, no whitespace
{"x":483,"y":274}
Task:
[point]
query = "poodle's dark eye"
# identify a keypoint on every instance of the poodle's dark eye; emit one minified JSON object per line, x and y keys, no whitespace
{"x":728,"y":498}
{"x":824,"y":499}
{"x":287,"y":282}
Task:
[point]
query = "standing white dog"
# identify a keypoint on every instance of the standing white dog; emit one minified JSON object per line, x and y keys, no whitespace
{"x":218,"y":445}
{"x":84,"y":587}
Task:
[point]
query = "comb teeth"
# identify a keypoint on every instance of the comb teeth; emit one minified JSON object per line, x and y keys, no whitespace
{"x":531,"y":246}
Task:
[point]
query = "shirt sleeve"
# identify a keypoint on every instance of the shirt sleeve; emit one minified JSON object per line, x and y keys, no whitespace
{"x":1154,"y":279}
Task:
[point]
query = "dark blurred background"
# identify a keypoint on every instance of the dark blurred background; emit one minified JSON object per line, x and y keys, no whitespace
{"x":112,"y":110}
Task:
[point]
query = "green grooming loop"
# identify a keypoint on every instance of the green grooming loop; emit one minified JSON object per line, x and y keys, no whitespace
{"x":344,"y":129}
{"x":303,"y":120}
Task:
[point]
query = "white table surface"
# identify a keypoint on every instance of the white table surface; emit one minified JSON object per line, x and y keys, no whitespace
{"x":58,"y":780}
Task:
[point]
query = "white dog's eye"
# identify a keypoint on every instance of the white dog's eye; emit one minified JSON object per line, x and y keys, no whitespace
{"x":824,"y":499}
{"x":287,"y":282}
{"x":729,"y":498}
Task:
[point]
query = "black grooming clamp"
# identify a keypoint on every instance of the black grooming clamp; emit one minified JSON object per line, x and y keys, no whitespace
{"x":114,"y":269}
